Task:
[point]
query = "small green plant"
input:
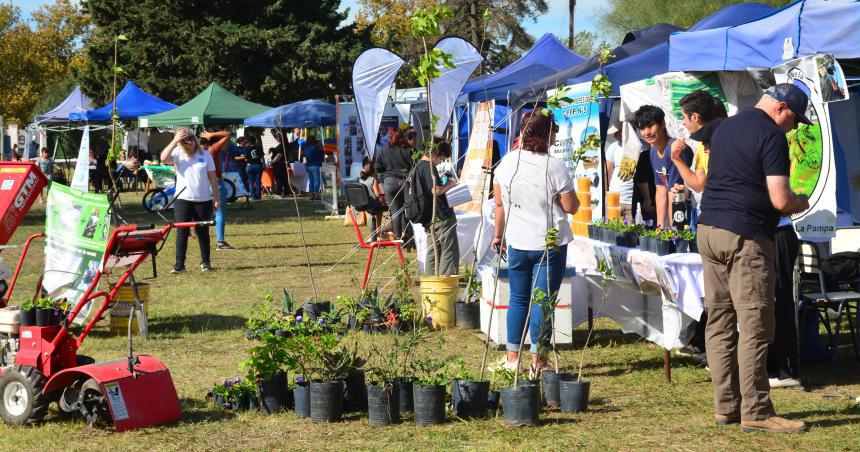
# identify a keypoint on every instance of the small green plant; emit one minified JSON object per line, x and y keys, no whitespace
{"x":457,"y":369}
{"x":665,"y":234}
{"x":687,"y":234}
{"x":28,"y":305}
{"x":501,"y":376}
{"x":347,"y":304}
{"x":552,"y":239}
{"x":431,"y":372}
{"x":44,"y":303}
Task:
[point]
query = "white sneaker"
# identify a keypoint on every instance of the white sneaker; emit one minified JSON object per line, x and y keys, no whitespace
{"x":787,"y":382}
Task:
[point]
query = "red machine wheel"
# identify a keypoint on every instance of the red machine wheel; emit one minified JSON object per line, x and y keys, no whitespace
{"x":21,"y":398}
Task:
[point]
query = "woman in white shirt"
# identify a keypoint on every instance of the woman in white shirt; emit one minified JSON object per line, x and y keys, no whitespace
{"x":534,"y":193}
{"x":196,"y":193}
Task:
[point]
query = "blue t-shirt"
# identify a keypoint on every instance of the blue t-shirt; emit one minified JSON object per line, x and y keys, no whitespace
{"x":314,"y":155}
{"x":745,"y":149}
{"x":665,"y":172}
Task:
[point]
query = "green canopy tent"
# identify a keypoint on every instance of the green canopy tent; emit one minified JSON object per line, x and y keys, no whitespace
{"x":215,"y":105}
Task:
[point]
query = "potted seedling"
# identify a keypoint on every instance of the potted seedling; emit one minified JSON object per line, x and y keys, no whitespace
{"x":383,"y":390}
{"x":500,"y":377}
{"x":664,"y":243}
{"x":467,"y":311}
{"x":686,"y":242}
{"x":44,"y":311}
{"x":221,"y":395}
{"x":573,"y":390}
{"x":468,"y":393}
{"x":646,"y":236}
{"x":549,"y":378}
{"x":429,"y":391}
{"x":349,"y":305}
{"x":267,"y":362}
{"x":314,"y":307}
{"x":28,"y":313}
{"x":246,"y":395}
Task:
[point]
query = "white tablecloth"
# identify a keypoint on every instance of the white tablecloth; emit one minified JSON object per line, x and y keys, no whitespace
{"x":468,"y":224}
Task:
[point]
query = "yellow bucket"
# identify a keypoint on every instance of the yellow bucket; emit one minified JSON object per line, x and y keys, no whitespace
{"x":119,"y":325}
{"x":438,"y":295}
{"x":125,"y":293}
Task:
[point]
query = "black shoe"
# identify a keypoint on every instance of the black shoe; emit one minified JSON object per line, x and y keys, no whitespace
{"x":177,"y":270}
{"x":223,"y":245}
{"x":205,"y":267}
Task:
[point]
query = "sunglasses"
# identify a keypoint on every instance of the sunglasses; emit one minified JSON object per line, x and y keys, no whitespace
{"x":189,"y":140}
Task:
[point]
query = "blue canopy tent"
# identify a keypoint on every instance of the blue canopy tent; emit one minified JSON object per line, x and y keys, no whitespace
{"x":131,"y":102}
{"x":307,"y":113}
{"x":75,"y":102}
{"x":801,"y":28}
{"x":547,"y":56}
{"x":633,"y":43}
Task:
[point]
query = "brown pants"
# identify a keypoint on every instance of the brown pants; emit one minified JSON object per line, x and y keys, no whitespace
{"x":739,"y":281}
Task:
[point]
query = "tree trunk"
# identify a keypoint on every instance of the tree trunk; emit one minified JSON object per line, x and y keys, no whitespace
{"x":571,"y":5}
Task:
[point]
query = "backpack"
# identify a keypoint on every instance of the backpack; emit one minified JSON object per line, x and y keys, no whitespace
{"x":417,"y":203}
{"x":844,"y":266}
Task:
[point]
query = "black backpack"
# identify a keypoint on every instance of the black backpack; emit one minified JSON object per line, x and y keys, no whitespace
{"x":417,"y":203}
{"x":844,"y":266}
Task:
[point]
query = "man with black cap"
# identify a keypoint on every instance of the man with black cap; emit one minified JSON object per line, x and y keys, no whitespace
{"x":746,"y":192}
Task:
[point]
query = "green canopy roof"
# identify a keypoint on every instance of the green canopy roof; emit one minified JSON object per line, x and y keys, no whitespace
{"x":215,"y":105}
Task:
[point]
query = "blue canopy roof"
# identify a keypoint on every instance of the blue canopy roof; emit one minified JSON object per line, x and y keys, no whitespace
{"x":307,"y":113}
{"x":131,"y":102}
{"x":76,"y":101}
{"x":546,"y":57}
{"x":633,"y":43}
{"x":655,"y":60}
{"x":801,"y":28}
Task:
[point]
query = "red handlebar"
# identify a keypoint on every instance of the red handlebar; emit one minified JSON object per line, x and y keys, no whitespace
{"x":193,"y":224}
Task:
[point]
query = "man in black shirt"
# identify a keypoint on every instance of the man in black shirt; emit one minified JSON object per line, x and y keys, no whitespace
{"x":746,"y":192}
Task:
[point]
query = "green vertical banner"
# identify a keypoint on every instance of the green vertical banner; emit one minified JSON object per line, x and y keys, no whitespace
{"x":77,"y":226}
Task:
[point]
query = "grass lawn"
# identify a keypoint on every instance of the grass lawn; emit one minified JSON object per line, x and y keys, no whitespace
{"x":197,"y":329}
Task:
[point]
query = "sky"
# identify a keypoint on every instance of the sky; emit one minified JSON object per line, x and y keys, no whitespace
{"x":554,"y":21}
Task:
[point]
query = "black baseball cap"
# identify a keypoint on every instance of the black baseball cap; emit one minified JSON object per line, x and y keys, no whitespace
{"x":793,"y":96}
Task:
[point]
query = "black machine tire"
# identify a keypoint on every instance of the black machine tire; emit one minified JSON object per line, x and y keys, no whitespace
{"x":230,"y":196}
{"x":26,"y":382}
{"x":155,"y":205}
{"x":69,"y":396}
{"x":92,"y":402}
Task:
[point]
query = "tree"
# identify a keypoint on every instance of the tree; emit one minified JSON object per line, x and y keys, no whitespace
{"x":585,"y":44}
{"x":622,"y":16}
{"x":501,"y":38}
{"x":267,"y":51}
{"x":38,"y":55}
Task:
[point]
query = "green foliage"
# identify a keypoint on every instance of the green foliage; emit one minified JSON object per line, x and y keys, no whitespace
{"x":28,"y":305}
{"x":552,"y":239}
{"x":266,"y":51}
{"x":473,"y":285}
{"x":425,"y":23}
{"x":456,"y":368}
{"x":432,"y":372}
{"x":687,"y":234}
{"x":347,"y":303}
{"x":501,"y":376}
{"x":622,"y":16}
{"x":428,"y":70}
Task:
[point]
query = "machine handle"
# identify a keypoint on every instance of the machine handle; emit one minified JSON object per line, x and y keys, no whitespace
{"x":193,"y":224}
{"x":144,"y":226}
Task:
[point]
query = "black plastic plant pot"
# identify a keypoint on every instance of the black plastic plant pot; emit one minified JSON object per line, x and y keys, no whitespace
{"x":302,"y":396}
{"x":218,"y":401}
{"x":590,"y":231}
{"x":521,"y":404}
{"x":493,"y":400}
{"x":56,"y":316}
{"x":253,"y":403}
{"x":694,"y":246}
{"x":644,"y":244}
{"x":28,"y":317}
{"x":314,"y":310}
{"x":652,"y":245}
{"x":43,"y":317}
{"x":273,"y":394}
{"x":241,"y":404}
{"x":682,"y":246}
{"x":574,"y":394}
{"x":470,"y":398}
{"x":549,"y":381}
{"x":383,"y":404}
{"x":468,"y":315}
{"x":354,"y":392}
{"x":326,"y":401}
{"x":429,"y":404}
{"x":404,"y":387}
{"x":664,"y":247}
{"x":631,"y":239}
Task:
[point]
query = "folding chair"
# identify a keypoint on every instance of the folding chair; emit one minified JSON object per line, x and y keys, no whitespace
{"x":360,"y":200}
{"x":827,"y":304}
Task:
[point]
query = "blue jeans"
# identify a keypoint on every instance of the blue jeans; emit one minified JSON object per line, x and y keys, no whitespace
{"x":255,"y":179}
{"x":221,"y":212}
{"x":314,"y":177}
{"x":525,"y":272}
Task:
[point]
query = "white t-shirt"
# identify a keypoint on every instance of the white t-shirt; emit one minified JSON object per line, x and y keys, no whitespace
{"x":614,"y":154}
{"x":526,"y":178}
{"x":192,"y":175}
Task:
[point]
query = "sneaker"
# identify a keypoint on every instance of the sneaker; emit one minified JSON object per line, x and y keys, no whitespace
{"x":222,"y":245}
{"x":702,"y":359}
{"x":689,"y":350}
{"x":773,"y":424}
{"x":205,"y":268}
{"x":177,"y":270}
{"x":784,"y":382}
